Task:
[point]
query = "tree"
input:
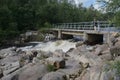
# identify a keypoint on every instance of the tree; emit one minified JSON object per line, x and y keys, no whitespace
{"x":112,"y":6}
{"x":18,"y":16}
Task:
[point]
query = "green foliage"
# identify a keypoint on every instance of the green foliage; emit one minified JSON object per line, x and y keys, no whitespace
{"x":47,"y":25}
{"x":50,"y":67}
{"x":17,"y":16}
{"x":114,"y":66}
{"x":116,"y":18}
{"x":112,"y":6}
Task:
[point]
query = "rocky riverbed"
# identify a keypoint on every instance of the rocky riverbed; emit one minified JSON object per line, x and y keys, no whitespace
{"x":61,"y":60}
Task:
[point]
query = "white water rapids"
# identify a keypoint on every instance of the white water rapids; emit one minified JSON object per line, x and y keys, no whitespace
{"x":51,"y":46}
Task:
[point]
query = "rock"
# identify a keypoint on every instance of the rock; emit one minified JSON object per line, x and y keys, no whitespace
{"x":106,"y":57}
{"x":106,"y":51}
{"x":107,"y":75}
{"x":33,"y":72}
{"x":113,"y":41}
{"x":90,"y":48}
{"x":28,"y":55}
{"x":72,"y":70}
{"x":84,"y":76}
{"x":15,"y":75}
{"x":56,"y":62}
{"x":13,"y":48}
{"x":12,"y":67}
{"x":1,"y":73}
{"x":7,"y":52}
{"x":59,"y":53}
{"x":54,"y":76}
{"x":39,"y":55}
{"x":71,"y":49}
{"x":100,"y":49}
{"x":117,"y":43}
{"x":34,"y":53}
{"x":92,"y":73}
{"x":115,"y":51}
{"x":79,"y":44}
{"x":82,"y":48}
{"x":95,"y":72}
{"x":35,"y":60}
{"x":88,"y":58}
{"x":24,"y":59}
{"x":117,"y":58}
{"x":115,"y":34}
{"x":42,"y":54}
{"x":1,"y":57}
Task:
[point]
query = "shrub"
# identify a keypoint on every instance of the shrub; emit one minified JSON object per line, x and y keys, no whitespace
{"x":50,"y":67}
{"x":114,"y":66}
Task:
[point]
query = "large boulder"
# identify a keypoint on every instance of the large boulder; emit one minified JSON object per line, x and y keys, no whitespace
{"x":106,"y":57}
{"x":14,"y":75}
{"x":92,"y":73}
{"x":100,"y":49}
{"x":43,"y":54}
{"x":117,"y":59}
{"x":54,"y":76}
{"x":114,"y":38}
{"x":33,"y":72}
{"x":115,"y":34}
{"x":115,"y":51}
{"x":117,"y":43}
{"x":9,"y":64}
{"x":11,"y":68}
{"x":84,"y":76}
{"x":72,"y":70}
{"x":7,"y":52}
{"x":88,"y":57}
{"x":79,"y":44}
{"x":56,"y":62}
{"x":101,"y":72}
{"x":1,"y":73}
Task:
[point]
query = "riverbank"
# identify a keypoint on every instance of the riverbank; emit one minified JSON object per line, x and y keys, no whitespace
{"x":61,"y":60}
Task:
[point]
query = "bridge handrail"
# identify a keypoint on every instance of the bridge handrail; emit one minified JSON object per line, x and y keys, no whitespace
{"x":99,"y":25}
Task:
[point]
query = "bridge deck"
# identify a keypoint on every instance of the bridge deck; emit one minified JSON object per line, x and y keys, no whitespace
{"x":90,"y":27}
{"x":72,"y":31}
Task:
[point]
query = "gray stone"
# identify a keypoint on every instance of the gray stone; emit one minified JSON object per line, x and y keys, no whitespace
{"x":43,"y":54}
{"x":100,"y":49}
{"x":56,"y":62}
{"x":54,"y":76}
{"x":106,"y":57}
{"x":1,"y":73}
{"x":33,"y":72}
{"x":79,"y":44}
{"x":72,"y":70}
{"x":115,"y":51}
{"x":12,"y":67}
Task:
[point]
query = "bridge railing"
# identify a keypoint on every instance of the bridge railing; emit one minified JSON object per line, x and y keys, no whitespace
{"x":99,"y":26}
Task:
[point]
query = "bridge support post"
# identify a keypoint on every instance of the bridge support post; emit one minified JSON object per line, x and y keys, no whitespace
{"x":59,"y":34}
{"x":85,"y":36}
{"x":106,"y":38}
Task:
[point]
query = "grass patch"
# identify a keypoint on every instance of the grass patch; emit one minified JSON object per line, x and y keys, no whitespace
{"x":50,"y":67}
{"x":114,"y":66}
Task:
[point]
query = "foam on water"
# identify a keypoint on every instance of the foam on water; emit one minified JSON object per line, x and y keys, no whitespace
{"x":51,"y":46}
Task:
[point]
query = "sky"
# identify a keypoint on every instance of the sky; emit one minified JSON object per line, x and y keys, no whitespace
{"x":87,"y":3}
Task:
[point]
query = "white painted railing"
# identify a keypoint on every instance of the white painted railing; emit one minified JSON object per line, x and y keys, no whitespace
{"x":99,"y":25}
